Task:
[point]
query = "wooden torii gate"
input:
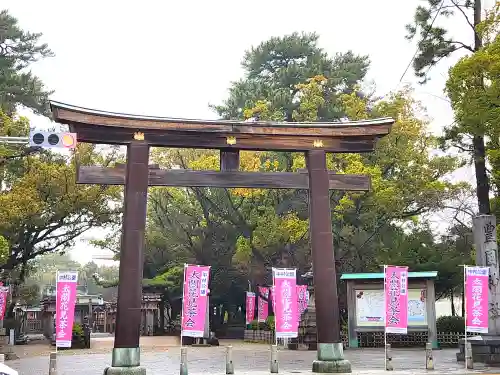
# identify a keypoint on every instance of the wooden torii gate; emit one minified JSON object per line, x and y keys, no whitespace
{"x":139,"y":133}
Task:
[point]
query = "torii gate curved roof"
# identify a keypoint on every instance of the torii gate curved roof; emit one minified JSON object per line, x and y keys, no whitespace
{"x":94,"y":126}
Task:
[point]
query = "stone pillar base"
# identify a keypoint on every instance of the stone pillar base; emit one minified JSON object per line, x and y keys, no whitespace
{"x":138,"y":370}
{"x":331,"y":359}
{"x":126,"y":357}
{"x":126,"y":361}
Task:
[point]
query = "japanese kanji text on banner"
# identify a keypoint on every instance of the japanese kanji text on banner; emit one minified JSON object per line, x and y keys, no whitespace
{"x":195,"y":299}
{"x":396,"y":299}
{"x":476,"y":299}
{"x":65,"y":307}
{"x":263,"y":307}
{"x":302,"y":299}
{"x":4,"y":293}
{"x":250,"y":307}
{"x":286,"y":311}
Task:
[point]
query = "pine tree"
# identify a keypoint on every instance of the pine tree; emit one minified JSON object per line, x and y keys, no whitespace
{"x":18,"y":86}
{"x":275,"y":67}
{"x":434,"y":44}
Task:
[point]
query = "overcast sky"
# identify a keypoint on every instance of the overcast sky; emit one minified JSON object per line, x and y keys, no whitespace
{"x":173,"y":58}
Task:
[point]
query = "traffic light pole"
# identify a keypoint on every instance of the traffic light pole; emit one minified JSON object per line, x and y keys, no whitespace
{"x":14,"y":140}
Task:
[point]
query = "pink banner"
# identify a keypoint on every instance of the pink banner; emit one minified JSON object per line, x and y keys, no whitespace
{"x":195,"y":299}
{"x":250,"y":307}
{"x":285,"y":299}
{"x":273,"y":300}
{"x":396,"y":299}
{"x":4,"y":293}
{"x":263,"y":307}
{"x":476,"y":299}
{"x":65,"y":307}
{"x":302,"y":298}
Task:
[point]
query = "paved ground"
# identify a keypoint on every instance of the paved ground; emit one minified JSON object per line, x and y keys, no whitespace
{"x":161,"y":356}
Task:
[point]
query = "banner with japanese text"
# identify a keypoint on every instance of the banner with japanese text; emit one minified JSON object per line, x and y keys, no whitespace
{"x":4,"y":293}
{"x":302,"y":299}
{"x":250,"y":307}
{"x":195,"y":299}
{"x":396,"y":299}
{"x":476,"y":299}
{"x":263,"y":305}
{"x":286,"y":309}
{"x":66,"y":283}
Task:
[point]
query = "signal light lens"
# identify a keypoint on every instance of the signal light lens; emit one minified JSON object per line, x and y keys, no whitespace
{"x":53,"y":139}
{"x":38,"y":138}
{"x":68,"y":140}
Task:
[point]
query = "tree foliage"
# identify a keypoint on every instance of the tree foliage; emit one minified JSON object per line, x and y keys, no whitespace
{"x":275,"y":68}
{"x":18,"y":86}
{"x":435,"y":44}
{"x":42,"y":209}
{"x":473,"y":87}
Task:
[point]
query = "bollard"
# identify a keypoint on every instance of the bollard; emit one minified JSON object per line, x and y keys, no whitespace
{"x":469,"y":363}
{"x":184,"y":365}
{"x":429,"y":358}
{"x":53,"y":363}
{"x":229,"y":360}
{"x":388,"y":358}
{"x":2,"y":358}
{"x":274,"y":359}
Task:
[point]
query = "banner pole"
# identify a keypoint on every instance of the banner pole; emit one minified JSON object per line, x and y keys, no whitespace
{"x":385,"y":320}
{"x":55,"y":322}
{"x":182,"y":305}
{"x":465,"y":316}
{"x":275,"y":320}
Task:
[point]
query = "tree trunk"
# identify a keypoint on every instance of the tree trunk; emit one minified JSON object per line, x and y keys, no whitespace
{"x":479,"y":156}
{"x":482,"y":183}
{"x":453,"y":311}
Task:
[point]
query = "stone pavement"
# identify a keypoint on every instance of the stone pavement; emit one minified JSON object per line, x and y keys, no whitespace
{"x":248,"y":359}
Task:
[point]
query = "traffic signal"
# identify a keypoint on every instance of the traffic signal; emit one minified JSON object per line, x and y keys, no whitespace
{"x":52,"y":139}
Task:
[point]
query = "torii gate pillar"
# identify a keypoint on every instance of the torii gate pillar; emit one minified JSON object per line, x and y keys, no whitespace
{"x":330,"y":348}
{"x":126,"y":351}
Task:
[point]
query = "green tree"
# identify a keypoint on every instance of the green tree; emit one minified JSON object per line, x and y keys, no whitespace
{"x":420,"y":250}
{"x":19,"y":49}
{"x":434,"y":44}
{"x":42,"y":209}
{"x":473,"y":87}
{"x":275,"y":67}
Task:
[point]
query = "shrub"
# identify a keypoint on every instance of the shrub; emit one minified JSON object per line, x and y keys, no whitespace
{"x":449,"y":324}
{"x":256,"y":325}
{"x":78,"y":330}
{"x":78,"y":337}
{"x":270,"y":323}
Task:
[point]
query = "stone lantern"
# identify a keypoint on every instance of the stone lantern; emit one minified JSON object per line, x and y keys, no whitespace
{"x":307,"y":337}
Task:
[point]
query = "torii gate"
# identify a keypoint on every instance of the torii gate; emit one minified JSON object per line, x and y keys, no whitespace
{"x":139,"y":133}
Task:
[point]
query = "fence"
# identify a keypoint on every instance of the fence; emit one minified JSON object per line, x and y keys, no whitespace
{"x":267,"y":337}
{"x":34,"y":326}
{"x":371,"y":339}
